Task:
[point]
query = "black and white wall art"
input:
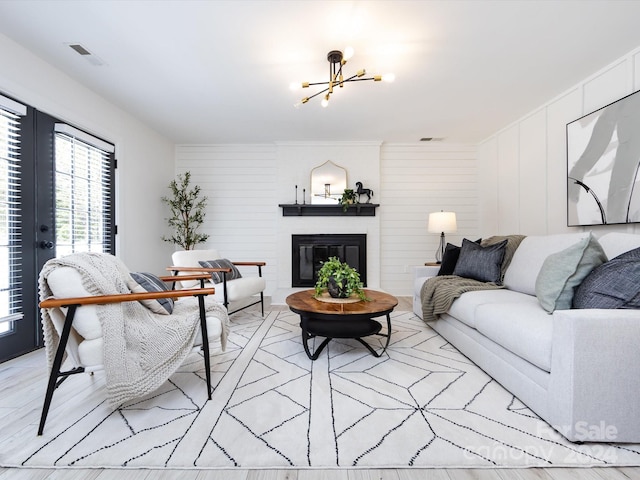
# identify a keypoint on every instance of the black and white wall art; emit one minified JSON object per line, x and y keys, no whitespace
{"x":603,"y":157}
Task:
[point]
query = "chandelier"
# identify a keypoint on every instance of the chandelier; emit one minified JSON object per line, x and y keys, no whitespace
{"x":337,"y":60}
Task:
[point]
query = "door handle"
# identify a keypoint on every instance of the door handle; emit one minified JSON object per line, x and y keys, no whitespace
{"x":46,"y":245}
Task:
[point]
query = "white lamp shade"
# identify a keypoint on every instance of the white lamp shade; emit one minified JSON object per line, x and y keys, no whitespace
{"x":442,"y":222}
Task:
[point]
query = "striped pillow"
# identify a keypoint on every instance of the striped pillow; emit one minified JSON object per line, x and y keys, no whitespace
{"x":217,"y":277}
{"x":148,"y":282}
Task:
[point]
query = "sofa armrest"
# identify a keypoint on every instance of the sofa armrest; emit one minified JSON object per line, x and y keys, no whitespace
{"x":420,"y":275}
{"x":595,"y":374}
{"x":426,"y":271}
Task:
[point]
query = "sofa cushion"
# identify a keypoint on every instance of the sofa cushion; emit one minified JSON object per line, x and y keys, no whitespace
{"x":614,"y":284}
{"x":218,"y":277}
{"x":523,"y":328}
{"x":480,"y":263}
{"x":464,"y":307}
{"x":142,"y":282}
{"x":563,"y":271}
{"x":531,"y":253}
{"x":616,"y":243}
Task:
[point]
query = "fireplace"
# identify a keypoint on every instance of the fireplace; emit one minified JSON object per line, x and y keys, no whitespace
{"x":309,"y":251}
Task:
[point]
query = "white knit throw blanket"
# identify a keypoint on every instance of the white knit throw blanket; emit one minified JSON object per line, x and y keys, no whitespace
{"x":141,"y":349}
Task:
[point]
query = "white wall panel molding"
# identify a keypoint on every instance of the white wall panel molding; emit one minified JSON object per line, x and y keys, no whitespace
{"x":534,"y":159}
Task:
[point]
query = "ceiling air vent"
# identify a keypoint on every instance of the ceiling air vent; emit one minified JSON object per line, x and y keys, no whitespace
{"x":90,"y":57}
{"x":432,"y":139}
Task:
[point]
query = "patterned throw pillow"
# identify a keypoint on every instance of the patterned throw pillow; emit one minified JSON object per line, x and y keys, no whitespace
{"x":480,"y":263}
{"x":217,"y":277}
{"x":148,"y":282}
{"x":614,"y":284}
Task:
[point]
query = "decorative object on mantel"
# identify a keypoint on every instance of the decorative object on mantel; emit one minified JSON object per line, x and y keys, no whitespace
{"x":296,"y":194}
{"x":335,"y":210}
{"x":325,"y":179}
{"x":339,"y":280}
{"x":187,"y":213}
{"x":348,"y":198}
{"x":360,"y":190}
{"x":442,"y":222}
{"x":337,"y":60}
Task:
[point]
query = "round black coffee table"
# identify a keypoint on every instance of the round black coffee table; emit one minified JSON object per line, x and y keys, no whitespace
{"x":342,"y":320}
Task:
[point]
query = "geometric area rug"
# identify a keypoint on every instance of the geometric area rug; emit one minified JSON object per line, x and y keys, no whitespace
{"x":422,"y":404}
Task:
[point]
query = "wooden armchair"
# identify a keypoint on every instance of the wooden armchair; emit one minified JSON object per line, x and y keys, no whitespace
{"x":71,"y":317}
{"x":235,"y":292}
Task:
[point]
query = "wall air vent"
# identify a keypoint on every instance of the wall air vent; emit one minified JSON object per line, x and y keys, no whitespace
{"x":86,"y":54}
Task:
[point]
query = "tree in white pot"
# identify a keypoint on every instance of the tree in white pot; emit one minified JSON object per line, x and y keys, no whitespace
{"x":187,"y":213}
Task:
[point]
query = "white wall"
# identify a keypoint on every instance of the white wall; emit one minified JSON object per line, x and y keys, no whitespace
{"x":145,"y":159}
{"x":417,"y":179}
{"x":523,"y":168}
{"x":245,"y":184}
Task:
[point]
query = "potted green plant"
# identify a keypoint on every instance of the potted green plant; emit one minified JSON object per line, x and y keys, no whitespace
{"x":339,"y":279}
{"x":349,"y":197}
{"x":187,"y":212}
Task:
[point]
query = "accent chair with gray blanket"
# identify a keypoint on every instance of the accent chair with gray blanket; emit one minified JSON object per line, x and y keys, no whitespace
{"x":100,"y":316}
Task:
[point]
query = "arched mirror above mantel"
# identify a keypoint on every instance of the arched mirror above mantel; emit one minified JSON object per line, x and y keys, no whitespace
{"x":328,"y":182}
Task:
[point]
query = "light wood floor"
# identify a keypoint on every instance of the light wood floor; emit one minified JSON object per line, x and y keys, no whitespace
{"x":22,"y":384}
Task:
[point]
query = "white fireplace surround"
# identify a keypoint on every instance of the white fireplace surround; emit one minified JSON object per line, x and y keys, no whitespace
{"x":362,"y":162}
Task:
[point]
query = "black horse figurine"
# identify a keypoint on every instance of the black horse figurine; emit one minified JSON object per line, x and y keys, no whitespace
{"x":364,"y":191}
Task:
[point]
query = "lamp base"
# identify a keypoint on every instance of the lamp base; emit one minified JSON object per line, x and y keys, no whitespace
{"x":440,"y":250}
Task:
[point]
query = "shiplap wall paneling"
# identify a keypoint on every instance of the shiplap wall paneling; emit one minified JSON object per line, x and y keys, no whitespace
{"x":418,"y":179}
{"x":239,"y":182}
{"x":532,"y":168}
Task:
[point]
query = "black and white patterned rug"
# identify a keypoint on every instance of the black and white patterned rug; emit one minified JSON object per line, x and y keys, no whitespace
{"x":422,"y":404}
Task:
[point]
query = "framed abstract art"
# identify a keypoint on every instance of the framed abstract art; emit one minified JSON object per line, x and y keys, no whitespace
{"x":603,"y":157}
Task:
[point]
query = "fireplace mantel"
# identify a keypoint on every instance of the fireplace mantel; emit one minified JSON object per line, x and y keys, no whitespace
{"x":319,"y":210}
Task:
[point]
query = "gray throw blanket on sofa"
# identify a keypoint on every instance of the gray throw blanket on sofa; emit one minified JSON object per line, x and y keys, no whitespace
{"x":438,"y":293}
{"x":142,"y":349}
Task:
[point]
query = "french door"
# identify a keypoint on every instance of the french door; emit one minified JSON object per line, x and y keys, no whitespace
{"x":56,"y":197}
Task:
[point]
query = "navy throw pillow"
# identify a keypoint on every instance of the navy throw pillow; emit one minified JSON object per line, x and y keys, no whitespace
{"x":614,"y":284}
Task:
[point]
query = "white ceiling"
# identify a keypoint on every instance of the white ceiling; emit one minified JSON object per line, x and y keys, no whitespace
{"x":213,"y":71}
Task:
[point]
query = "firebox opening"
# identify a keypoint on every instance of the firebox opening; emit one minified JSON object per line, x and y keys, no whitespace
{"x":310,"y":251}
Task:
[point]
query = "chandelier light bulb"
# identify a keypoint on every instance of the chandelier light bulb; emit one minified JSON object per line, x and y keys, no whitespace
{"x":348,"y":53}
{"x":295,"y":85}
{"x":325,"y":101}
{"x":388,"y":77}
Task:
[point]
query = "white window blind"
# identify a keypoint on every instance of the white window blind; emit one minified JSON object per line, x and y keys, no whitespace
{"x":83,"y":192}
{"x":11,"y":267}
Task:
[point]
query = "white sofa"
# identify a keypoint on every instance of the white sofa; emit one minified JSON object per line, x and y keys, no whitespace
{"x":578,"y":369}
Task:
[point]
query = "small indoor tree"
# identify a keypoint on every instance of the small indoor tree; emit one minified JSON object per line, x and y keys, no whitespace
{"x":187,"y":212}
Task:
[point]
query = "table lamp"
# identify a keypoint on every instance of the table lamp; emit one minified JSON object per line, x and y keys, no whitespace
{"x":442,"y":222}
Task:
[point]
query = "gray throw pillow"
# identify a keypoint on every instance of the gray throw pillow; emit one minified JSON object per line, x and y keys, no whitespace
{"x":561,"y":272}
{"x":142,"y":282}
{"x":450,"y":258}
{"x":480,"y":263}
{"x":217,"y":277}
{"x":614,"y":284}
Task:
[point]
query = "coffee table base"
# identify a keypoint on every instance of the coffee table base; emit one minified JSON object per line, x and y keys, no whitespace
{"x":330,"y":329}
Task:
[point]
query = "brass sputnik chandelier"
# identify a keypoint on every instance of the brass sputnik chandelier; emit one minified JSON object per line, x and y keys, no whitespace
{"x":337,"y":60}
